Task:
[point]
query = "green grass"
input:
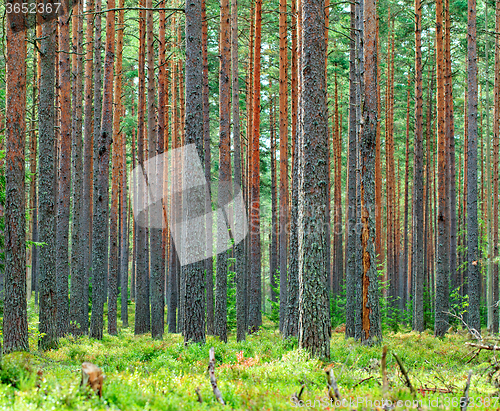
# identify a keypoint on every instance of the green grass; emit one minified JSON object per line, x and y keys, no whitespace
{"x":261,"y":373}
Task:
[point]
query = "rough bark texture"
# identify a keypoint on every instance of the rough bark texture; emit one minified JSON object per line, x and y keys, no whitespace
{"x":239,"y":251}
{"x":76,"y":307}
{"x":473,"y":275}
{"x":87,"y":187}
{"x":194,"y":319}
{"x":64,"y":176}
{"x":15,"y":318}
{"x":351,"y":245}
{"x":47,"y":188}
{"x":283,"y":123}
{"x":496,"y":125}
{"x":417,"y":258}
{"x":101,"y":188}
{"x":254,"y":294}
{"x":292,"y":318}
{"x":314,"y":319}
{"x":371,"y":330}
{"x":442,"y":248}
{"x":142,"y":313}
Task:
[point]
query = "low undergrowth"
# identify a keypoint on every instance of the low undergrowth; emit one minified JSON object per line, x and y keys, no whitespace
{"x":262,"y":373}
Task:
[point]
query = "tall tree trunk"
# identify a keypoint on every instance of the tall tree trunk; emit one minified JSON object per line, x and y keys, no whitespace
{"x":417,"y":236}
{"x":101,"y":188}
{"x":403,"y":286}
{"x":15,"y":317}
{"x":496,"y":125}
{"x":64,"y":176}
{"x":337,"y":219}
{"x":209,"y":263}
{"x":194,"y":204}
{"x":114,"y":266}
{"x":224,"y":191}
{"x":351,"y":272}
{"x":450,"y":130}
{"x":76,"y":307}
{"x":370,"y":312}
{"x":122,"y":175}
{"x":254,"y":296}
{"x":378,"y":168}
{"x":283,"y":222}
{"x":292,"y":319}
{"x":87,"y":186}
{"x":142,"y":313}
{"x":273,"y":245}
{"x":314,"y":318}
{"x":472,"y":223}
{"x":442,"y":252}
{"x":239,"y":251}
{"x":47,"y":187}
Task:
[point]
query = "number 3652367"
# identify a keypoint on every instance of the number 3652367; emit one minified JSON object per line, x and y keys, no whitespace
{"x":32,"y":8}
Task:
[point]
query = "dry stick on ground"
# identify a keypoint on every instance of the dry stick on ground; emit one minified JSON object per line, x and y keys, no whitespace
{"x":403,"y":370}
{"x":385,"y":383}
{"x":464,"y":401}
{"x":213,"y":380}
{"x":471,"y":330}
{"x":333,"y":389}
{"x":295,"y":397}
{"x":435,"y":389}
{"x":483,"y":346}
{"x":362,"y":381}
{"x":474,"y":356}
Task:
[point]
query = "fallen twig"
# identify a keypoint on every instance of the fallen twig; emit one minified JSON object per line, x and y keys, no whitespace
{"x":383,"y":368}
{"x":213,"y":380}
{"x":403,"y":371}
{"x":362,"y":381}
{"x":295,"y":397}
{"x":474,"y":356}
{"x":464,"y":401}
{"x":483,"y":346}
{"x":333,"y":389}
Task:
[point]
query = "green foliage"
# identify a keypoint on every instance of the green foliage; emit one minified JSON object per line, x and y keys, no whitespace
{"x":337,"y":308}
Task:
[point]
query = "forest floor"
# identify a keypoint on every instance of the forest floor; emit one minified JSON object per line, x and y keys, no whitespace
{"x":262,"y":373}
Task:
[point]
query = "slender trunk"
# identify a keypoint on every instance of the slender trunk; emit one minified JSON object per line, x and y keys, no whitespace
{"x":442,"y":248}
{"x":254,"y":296}
{"x":142,"y":311}
{"x":209,"y":263}
{"x":76,"y":307}
{"x":351,"y":272}
{"x":496,"y":125}
{"x":472,"y":223}
{"x":239,"y":251}
{"x":87,"y":186}
{"x":283,"y":136}
{"x":47,"y":187}
{"x":273,"y":246}
{"x":101,"y":189}
{"x":64,"y":176}
{"x":15,"y":317}
{"x":403,"y":290}
{"x":418,"y":234}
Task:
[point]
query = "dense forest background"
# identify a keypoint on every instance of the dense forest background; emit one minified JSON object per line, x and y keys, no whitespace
{"x":395,"y":136}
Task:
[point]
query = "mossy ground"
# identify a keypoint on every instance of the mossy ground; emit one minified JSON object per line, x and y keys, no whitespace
{"x":261,"y":373}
